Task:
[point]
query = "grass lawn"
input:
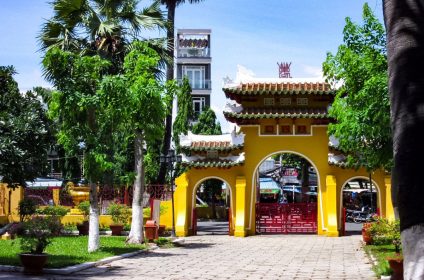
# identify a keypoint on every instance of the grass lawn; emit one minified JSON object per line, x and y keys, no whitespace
{"x":381,"y":252}
{"x":70,"y":250}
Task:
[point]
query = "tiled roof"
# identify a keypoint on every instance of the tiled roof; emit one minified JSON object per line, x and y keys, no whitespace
{"x":212,"y":146}
{"x":205,"y":163}
{"x":224,"y":142}
{"x":279,"y":88}
{"x":276,"y":113}
{"x":197,"y":161}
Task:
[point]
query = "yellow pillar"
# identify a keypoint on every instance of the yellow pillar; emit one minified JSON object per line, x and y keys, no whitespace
{"x":3,"y":188}
{"x":240,"y":230}
{"x":56,"y":196}
{"x":182,"y":205}
{"x":390,"y":213}
{"x":331,"y":203}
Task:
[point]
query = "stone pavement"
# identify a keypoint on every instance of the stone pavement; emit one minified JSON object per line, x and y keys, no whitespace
{"x":255,"y":257}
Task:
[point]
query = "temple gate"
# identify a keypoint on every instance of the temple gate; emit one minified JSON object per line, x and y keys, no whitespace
{"x":274,"y":116}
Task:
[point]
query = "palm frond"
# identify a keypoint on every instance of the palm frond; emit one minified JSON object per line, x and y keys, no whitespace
{"x":151,"y":17}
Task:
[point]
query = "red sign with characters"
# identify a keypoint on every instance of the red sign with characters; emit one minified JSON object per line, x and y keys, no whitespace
{"x":284,"y":69}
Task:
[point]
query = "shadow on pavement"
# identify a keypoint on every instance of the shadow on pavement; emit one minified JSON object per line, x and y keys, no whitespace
{"x":197,"y":245}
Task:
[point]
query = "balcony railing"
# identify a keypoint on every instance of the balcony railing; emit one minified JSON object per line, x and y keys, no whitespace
{"x":199,"y":85}
{"x":193,"y":53}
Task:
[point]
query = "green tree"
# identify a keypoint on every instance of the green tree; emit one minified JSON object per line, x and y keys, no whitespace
{"x":209,"y":125}
{"x":185,"y":111}
{"x":100,"y":27}
{"x":136,"y":101}
{"x":171,"y":6}
{"x":76,"y":107}
{"x":88,"y":28}
{"x":24,"y":132}
{"x":68,"y":164}
{"x":361,"y":106}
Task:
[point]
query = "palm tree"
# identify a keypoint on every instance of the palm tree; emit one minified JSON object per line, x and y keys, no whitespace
{"x":171,"y":5}
{"x":98,"y":27}
{"x":404,"y":21}
{"x":103,"y":27}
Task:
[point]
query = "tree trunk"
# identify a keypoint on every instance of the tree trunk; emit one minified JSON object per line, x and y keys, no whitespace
{"x":136,"y":233}
{"x":305,"y":179}
{"x":93,"y":233}
{"x":404,"y":20}
{"x":213,"y":206}
{"x":171,"y":5}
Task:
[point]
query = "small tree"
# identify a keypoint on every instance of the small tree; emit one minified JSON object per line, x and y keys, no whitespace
{"x":24,"y":132}
{"x":26,"y":209}
{"x":361,"y":106}
{"x":78,"y":110}
{"x":208,"y":125}
{"x":136,"y":101}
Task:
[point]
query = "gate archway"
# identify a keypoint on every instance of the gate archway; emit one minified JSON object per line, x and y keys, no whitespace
{"x":286,"y":186}
{"x":224,"y":220}
{"x":360,"y":200}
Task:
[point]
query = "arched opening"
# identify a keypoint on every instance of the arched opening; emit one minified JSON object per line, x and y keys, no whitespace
{"x":360,"y":201}
{"x":286,"y":187}
{"x":212,"y":202}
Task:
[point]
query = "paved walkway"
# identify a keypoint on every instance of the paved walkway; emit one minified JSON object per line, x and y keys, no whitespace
{"x":256,"y":257}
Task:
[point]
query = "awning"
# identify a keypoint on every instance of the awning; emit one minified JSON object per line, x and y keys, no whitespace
{"x":44,"y":183}
{"x":268,"y":186}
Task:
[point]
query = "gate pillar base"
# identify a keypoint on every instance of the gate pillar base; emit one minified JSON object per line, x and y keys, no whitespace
{"x":332,"y":234}
{"x":181,"y":232}
{"x":240,"y":233}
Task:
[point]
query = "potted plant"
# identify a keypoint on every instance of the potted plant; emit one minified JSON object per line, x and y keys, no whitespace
{"x":120,"y":214}
{"x":56,"y":212}
{"x":396,"y":261}
{"x":26,"y":208}
{"x":366,"y":233}
{"x":38,"y":233}
{"x":84,"y":208}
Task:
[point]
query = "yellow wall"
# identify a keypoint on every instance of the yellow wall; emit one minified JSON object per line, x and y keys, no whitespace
{"x":241,"y":180}
{"x":12,"y":198}
{"x":187,"y":185}
{"x":166,"y":217}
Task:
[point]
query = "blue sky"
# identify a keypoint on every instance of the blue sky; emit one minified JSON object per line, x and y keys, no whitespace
{"x":254,"y":34}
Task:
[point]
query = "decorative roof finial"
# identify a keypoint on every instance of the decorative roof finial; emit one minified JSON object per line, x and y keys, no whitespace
{"x":284,"y":69}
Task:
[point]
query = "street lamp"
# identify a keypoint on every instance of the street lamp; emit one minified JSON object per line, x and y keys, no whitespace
{"x":170,"y":159}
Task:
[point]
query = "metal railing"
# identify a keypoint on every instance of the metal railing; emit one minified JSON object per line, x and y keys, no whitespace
{"x":193,"y":53}
{"x":200,"y":85}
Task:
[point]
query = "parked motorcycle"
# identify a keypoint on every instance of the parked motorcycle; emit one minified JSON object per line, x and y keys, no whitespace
{"x":359,"y":216}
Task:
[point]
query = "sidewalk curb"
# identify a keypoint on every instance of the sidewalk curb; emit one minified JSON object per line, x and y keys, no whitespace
{"x":78,"y":267}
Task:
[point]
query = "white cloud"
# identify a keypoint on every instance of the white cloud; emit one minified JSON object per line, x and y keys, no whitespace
{"x":312,"y":71}
{"x":243,"y":73}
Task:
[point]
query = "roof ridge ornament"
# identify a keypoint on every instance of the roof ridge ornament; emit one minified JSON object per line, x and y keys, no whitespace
{"x":284,"y":69}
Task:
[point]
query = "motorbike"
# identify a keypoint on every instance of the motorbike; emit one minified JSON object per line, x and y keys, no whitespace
{"x":364,"y":215}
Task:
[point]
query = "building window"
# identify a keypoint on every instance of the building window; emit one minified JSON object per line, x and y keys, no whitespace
{"x":302,"y":101}
{"x":199,"y":104}
{"x":195,"y":75}
{"x":212,"y":154}
{"x":269,"y":101}
{"x":301,"y":129}
{"x":285,"y":101}
{"x":269,"y":129}
{"x":285,"y":129}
